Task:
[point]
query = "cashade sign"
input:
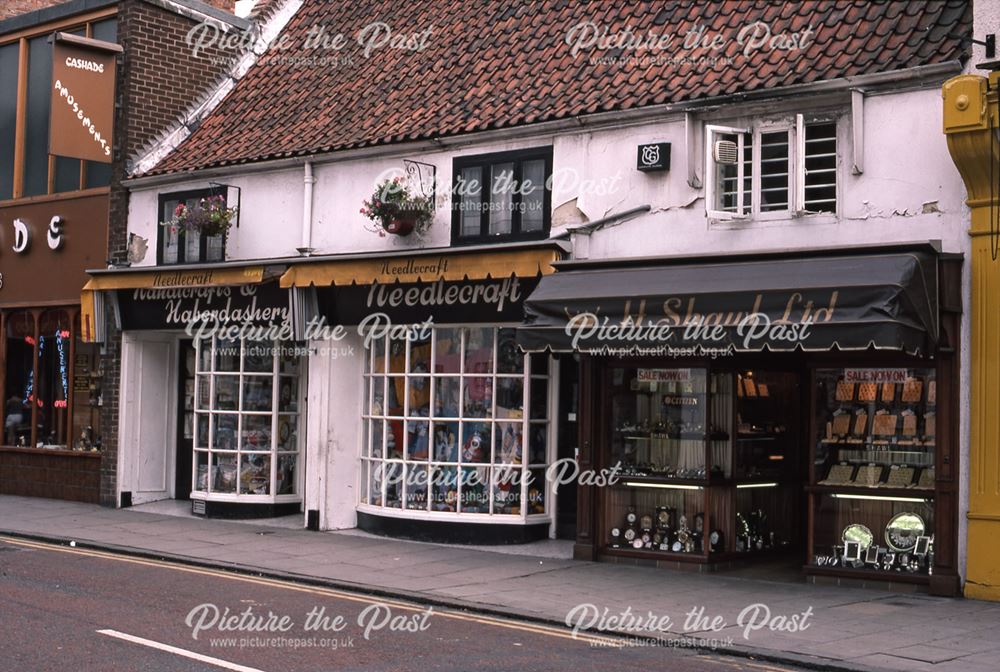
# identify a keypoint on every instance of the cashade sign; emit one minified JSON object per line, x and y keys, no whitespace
{"x":83,"y":98}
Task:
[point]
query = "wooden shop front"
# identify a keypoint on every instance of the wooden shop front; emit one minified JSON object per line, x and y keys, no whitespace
{"x":795,"y":407}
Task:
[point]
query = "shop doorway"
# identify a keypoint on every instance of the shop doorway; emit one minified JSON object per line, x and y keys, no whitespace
{"x":569,"y":401}
{"x":185,"y":419}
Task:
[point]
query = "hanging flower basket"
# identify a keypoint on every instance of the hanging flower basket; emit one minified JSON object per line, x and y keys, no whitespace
{"x":395,"y":210}
{"x":208,"y":216}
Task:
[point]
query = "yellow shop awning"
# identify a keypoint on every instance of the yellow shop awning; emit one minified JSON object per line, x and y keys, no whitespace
{"x":92,"y":302}
{"x":424,"y":266}
{"x":170,"y":279}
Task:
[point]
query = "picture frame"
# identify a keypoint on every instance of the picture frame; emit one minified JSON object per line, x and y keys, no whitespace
{"x":871,"y":555}
{"x":852,"y":551}
{"x":922,"y":547}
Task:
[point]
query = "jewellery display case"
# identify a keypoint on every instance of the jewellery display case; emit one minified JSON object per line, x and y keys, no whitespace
{"x":872,"y":496}
{"x":707,"y":463}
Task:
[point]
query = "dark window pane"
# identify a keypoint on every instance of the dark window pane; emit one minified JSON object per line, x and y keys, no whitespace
{"x":501,"y":198}
{"x":821,"y":167}
{"x":52,"y":392}
{"x":36,"y":170}
{"x":20,"y":328}
{"x":8,"y":113}
{"x":774,"y":171}
{"x":67,"y":174}
{"x":169,"y":251}
{"x":470,"y":196}
{"x":99,"y":174}
{"x":106,"y":30}
{"x":532,"y":195}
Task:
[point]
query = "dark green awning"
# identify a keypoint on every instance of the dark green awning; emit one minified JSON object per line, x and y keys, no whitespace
{"x":848,"y":301}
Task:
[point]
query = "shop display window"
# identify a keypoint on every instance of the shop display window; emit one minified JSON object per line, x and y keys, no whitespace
{"x":873,"y":476}
{"x":455,"y":421}
{"x":52,"y":381}
{"x":877,"y":428}
{"x":20,"y":335}
{"x":246,"y":400}
{"x":52,"y":389}
{"x":890,"y":535}
{"x":709,"y":462}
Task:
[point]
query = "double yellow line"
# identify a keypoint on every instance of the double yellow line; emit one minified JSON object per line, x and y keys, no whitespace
{"x":318,"y":590}
{"x":532,"y":628}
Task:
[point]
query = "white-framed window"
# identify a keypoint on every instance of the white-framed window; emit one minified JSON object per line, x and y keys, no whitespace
{"x":247,"y":419}
{"x":772,"y":170}
{"x":455,"y":424}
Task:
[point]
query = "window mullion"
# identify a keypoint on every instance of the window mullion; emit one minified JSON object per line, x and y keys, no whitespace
{"x":799,"y":163}
{"x":486,"y":200}
{"x":740,"y":160}
{"x":755,"y":173}
{"x":515,"y":200}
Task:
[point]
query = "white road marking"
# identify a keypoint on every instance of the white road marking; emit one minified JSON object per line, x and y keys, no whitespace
{"x":218,"y":662}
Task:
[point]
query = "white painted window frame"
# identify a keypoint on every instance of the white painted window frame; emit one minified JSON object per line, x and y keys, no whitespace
{"x":369,"y":461}
{"x":795,"y":126}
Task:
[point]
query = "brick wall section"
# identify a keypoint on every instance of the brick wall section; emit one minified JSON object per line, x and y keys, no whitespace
{"x":9,"y":8}
{"x":158,"y":81}
{"x":49,"y":473}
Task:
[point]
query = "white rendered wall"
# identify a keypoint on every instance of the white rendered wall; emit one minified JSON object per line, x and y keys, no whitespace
{"x":909,"y":191}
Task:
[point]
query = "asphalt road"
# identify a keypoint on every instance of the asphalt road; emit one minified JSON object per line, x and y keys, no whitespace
{"x":73,"y":610}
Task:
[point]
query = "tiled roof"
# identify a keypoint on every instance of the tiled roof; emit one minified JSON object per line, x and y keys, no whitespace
{"x":498,"y":64}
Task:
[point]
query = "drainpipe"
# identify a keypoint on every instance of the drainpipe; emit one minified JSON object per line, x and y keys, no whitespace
{"x":308,"y":180}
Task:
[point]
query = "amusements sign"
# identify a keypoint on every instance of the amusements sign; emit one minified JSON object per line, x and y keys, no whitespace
{"x":83,"y":98}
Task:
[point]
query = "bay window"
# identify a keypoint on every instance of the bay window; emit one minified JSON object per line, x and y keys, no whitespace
{"x":455,"y":423}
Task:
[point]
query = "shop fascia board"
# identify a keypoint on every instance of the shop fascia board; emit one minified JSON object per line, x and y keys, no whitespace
{"x":895,"y":81}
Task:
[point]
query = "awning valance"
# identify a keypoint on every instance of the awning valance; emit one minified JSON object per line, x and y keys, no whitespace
{"x":92,"y":297}
{"x":424,"y":266}
{"x":848,"y":301}
{"x":175,"y":279}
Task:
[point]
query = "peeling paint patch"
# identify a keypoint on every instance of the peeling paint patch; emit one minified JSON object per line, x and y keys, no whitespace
{"x":930,"y":207}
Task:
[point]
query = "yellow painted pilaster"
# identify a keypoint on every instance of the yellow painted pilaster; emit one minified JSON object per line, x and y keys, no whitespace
{"x":970,"y":124}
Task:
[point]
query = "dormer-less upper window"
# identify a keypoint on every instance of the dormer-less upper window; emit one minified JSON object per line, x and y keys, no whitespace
{"x":504,"y":196}
{"x":772,"y":171}
{"x":178,"y":246}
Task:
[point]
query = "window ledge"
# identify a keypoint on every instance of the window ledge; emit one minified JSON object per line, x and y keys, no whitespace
{"x":751,"y":223}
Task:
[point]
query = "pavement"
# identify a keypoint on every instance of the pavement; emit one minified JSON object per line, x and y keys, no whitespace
{"x":845,"y":628}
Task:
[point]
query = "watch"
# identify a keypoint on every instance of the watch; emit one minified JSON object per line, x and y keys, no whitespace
{"x":629,"y":534}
